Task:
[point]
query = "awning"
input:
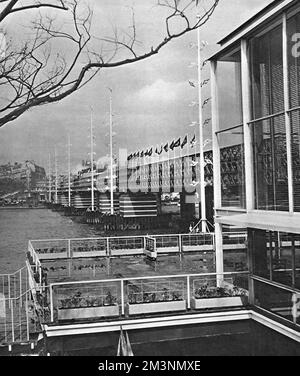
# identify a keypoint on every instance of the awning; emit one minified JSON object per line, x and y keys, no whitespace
{"x":272,"y":221}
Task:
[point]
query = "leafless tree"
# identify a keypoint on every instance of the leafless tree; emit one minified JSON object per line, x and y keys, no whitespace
{"x":33,"y":72}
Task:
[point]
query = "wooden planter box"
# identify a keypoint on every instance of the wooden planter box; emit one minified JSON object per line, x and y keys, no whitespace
{"x":88,"y":312}
{"x":137,"y":309}
{"x":230,"y":301}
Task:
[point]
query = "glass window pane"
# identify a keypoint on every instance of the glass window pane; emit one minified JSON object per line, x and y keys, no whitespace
{"x":295,"y":125}
{"x":282,"y":264}
{"x":297,"y":262}
{"x":232,"y":167}
{"x":229,"y":91}
{"x":267,"y":74}
{"x":259,"y":247}
{"x":275,"y":300}
{"x":270,"y":164}
{"x":294,"y":60}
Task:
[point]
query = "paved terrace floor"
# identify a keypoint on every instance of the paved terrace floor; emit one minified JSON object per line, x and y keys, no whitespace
{"x":137,"y":266}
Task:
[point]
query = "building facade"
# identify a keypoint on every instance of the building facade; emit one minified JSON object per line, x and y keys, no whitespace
{"x":256,"y":74}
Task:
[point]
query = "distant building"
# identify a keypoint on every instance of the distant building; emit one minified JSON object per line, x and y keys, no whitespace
{"x":27,"y":173}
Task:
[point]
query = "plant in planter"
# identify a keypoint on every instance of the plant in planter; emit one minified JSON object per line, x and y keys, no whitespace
{"x":110,"y":300}
{"x":212,"y":296}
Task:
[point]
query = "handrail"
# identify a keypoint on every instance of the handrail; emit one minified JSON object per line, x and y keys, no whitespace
{"x":275,"y":284}
{"x":10,"y":274}
{"x":146,"y":277}
{"x":17,"y":297}
{"x":132,"y":236}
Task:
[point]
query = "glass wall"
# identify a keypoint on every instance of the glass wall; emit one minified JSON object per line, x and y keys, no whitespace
{"x":293,"y":27}
{"x":275,"y":270}
{"x":230,"y":135}
{"x":269,"y":134}
{"x":275,"y":300}
{"x":231,"y":144}
{"x":230,"y":90}
{"x":270,"y":164}
{"x":267,"y":74}
{"x":275,"y":256}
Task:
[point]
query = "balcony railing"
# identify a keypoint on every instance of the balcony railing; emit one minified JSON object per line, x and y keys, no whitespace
{"x":127,"y":245}
{"x":128,"y":297}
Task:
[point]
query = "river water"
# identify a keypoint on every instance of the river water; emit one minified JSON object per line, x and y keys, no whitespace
{"x":17,"y":226}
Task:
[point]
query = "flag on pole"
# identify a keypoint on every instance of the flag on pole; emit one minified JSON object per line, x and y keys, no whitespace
{"x":166,"y":147}
{"x":205,"y":82}
{"x":159,"y":152}
{"x":184,"y":142}
{"x":193,"y":141}
{"x":205,"y":102}
{"x":177,"y":143}
{"x":206,"y":121}
{"x":191,"y":83}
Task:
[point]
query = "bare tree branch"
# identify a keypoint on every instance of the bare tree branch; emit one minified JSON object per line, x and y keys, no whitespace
{"x":36,"y":73}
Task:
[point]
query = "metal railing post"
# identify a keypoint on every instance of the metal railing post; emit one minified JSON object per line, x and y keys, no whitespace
{"x":51,"y":304}
{"x":107,"y":247}
{"x":40,"y":274}
{"x":69,"y":248}
{"x":188,"y":288}
{"x":122,"y":298}
{"x":20,"y":287}
{"x":12,"y":323}
{"x":27,"y":317}
{"x":180,"y":243}
{"x":9,"y":304}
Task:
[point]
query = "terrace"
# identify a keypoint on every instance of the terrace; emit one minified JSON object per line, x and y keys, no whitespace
{"x":98,"y":279}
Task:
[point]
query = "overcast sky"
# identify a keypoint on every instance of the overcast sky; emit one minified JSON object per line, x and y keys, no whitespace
{"x":150,"y":98}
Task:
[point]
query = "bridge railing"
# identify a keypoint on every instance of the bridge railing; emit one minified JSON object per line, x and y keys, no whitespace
{"x":126,"y":297}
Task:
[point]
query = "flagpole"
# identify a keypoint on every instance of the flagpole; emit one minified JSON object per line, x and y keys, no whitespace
{"x":50,"y":179}
{"x":92,"y":161}
{"x":69,"y":171}
{"x":111,"y":154}
{"x":56,"y":177}
{"x":201,"y":151}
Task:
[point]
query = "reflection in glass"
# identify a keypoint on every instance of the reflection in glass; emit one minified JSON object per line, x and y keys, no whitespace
{"x":270,"y":164}
{"x":267,"y":74}
{"x":232,"y":167}
{"x":274,"y":299}
{"x":293,"y":27}
{"x":229,"y":90}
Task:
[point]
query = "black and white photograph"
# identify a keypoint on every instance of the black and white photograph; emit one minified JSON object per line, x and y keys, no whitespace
{"x":149,"y":182}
